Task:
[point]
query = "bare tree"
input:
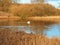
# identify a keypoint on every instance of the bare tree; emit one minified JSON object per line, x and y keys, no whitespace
{"x":37,"y":1}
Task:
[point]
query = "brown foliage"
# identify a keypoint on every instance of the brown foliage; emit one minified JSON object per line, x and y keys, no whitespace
{"x":9,"y":37}
{"x":34,"y":10}
{"x":4,"y":5}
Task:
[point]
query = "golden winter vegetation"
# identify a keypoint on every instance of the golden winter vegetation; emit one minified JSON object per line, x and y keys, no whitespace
{"x":9,"y":37}
{"x":22,"y":12}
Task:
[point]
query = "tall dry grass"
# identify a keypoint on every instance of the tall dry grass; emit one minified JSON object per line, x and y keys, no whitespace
{"x":9,"y":37}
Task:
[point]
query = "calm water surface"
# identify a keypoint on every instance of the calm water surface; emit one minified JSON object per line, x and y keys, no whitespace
{"x":50,"y":29}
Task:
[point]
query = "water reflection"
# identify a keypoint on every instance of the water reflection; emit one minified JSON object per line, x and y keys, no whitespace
{"x":48,"y":29}
{"x":54,"y":31}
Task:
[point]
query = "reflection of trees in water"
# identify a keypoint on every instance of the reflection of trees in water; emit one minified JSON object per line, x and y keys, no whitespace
{"x":40,"y":27}
{"x":37,"y":27}
{"x":7,"y":22}
{"x":3,"y":23}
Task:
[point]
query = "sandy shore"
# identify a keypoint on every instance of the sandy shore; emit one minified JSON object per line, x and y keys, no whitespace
{"x":46,"y":18}
{"x":43,"y":18}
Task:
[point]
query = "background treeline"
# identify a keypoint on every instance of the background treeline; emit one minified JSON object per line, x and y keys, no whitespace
{"x":4,"y":5}
{"x":25,"y":10}
{"x":9,"y":37}
{"x":34,"y":10}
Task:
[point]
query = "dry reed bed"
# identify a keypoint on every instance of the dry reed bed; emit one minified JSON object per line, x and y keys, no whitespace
{"x":9,"y":37}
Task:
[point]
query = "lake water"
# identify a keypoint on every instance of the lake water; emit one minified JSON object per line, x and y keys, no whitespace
{"x":48,"y":29}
